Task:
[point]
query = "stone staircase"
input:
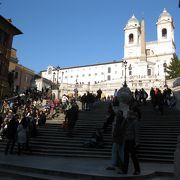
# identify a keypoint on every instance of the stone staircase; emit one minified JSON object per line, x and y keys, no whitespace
{"x":158,"y":136}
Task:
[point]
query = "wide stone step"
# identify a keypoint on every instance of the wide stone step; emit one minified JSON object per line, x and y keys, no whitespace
{"x":159,"y":132}
{"x":158,"y":138}
{"x":143,"y":135}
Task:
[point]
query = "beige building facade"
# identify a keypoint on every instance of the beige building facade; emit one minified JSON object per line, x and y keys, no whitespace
{"x":22,"y":77}
{"x":7,"y":32}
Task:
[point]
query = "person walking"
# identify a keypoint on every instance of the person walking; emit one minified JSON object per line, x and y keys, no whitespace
{"x":71,"y":118}
{"x":118,"y":134}
{"x":11,"y":134}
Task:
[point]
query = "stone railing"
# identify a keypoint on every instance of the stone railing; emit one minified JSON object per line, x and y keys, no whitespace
{"x":176,"y":91}
{"x":177,"y":160}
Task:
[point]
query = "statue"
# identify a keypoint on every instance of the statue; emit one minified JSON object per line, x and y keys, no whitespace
{"x":124,"y":96}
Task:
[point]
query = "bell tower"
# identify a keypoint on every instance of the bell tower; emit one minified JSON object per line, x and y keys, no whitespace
{"x":132,"y":38}
{"x":165,"y":33}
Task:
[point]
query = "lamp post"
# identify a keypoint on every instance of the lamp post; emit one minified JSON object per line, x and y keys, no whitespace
{"x":62,"y":88}
{"x":125,"y":66}
{"x":76,"y":90}
{"x":165,"y":67}
{"x":58,"y":68}
{"x":54,"y":76}
{"x":52,"y":94}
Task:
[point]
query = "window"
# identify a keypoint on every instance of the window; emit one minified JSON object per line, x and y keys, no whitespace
{"x":83,"y":75}
{"x":102,"y":73}
{"x":148,"y":52}
{"x":108,"y":77}
{"x":130,"y":70}
{"x":164,"y":33}
{"x":131,"y":38}
{"x":109,"y":70}
{"x":3,"y":37}
{"x":149,"y":72}
{"x":95,"y":74}
{"x":26,"y":79}
{"x":89,"y":74}
{"x":16,"y":75}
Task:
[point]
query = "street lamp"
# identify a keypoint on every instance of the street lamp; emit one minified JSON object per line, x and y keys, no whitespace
{"x":58,"y":69}
{"x":165,"y":67}
{"x":125,"y":66}
{"x":54,"y":76}
{"x":76,"y":90}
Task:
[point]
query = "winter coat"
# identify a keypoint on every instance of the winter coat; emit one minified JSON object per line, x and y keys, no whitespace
{"x":11,"y":129}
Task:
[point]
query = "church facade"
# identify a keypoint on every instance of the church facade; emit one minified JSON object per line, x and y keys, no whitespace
{"x":143,"y":65}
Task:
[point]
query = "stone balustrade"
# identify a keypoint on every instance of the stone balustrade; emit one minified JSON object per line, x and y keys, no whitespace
{"x":177,"y":160}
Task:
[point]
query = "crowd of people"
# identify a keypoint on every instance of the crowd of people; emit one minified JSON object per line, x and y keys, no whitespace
{"x":20,"y":116}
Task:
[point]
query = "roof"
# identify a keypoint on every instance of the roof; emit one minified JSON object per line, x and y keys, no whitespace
{"x":112,"y":62}
{"x":132,"y":22}
{"x":133,"y":19}
{"x":165,"y":16}
{"x":165,"y":13}
{"x":14,"y":29}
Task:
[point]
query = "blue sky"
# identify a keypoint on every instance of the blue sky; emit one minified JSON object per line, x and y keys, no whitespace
{"x":80,"y":32}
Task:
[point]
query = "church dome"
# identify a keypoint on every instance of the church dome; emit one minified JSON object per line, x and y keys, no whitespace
{"x":165,"y":16}
{"x":133,"y":21}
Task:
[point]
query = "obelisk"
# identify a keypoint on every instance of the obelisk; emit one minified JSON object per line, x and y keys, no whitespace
{"x":143,"y":42}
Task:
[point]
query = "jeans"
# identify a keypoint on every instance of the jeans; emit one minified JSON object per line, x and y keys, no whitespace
{"x":117,"y":154}
{"x":130,"y":149}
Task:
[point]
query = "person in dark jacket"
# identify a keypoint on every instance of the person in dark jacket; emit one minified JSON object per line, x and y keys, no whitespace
{"x":71,"y":118}
{"x":118,"y":135}
{"x":11,"y":134}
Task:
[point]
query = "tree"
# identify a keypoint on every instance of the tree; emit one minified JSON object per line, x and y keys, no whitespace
{"x":173,"y":70}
